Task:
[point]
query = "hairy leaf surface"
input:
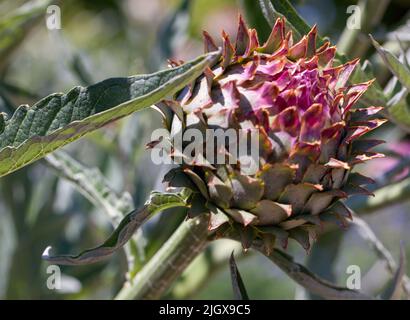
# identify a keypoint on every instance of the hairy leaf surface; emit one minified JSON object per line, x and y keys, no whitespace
{"x":33,"y":132}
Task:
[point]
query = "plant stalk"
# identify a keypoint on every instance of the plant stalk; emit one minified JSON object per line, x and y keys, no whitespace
{"x":157,"y":276}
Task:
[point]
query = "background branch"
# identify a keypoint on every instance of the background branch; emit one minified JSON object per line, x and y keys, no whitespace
{"x":157,"y":276}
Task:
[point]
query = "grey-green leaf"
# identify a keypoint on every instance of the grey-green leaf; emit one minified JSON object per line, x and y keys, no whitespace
{"x":33,"y":132}
{"x":399,"y":69}
{"x":255,"y":18}
{"x":131,"y":222}
{"x":91,"y":183}
{"x":399,"y":110}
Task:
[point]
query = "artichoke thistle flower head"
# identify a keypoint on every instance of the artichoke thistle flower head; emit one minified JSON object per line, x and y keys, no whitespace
{"x":303,"y":108}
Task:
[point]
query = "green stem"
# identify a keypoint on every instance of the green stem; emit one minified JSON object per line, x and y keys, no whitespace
{"x":157,"y":276}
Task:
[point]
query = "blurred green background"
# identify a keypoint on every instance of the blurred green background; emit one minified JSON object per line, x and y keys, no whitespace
{"x":102,"y":39}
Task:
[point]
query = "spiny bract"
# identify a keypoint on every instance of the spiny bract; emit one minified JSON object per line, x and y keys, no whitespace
{"x":308,"y":136}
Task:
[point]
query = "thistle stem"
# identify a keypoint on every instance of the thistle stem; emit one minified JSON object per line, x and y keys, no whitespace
{"x":157,"y":276}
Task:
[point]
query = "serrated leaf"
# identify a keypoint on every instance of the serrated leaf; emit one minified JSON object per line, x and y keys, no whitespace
{"x":238,"y":286}
{"x":127,"y":227}
{"x":59,"y":119}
